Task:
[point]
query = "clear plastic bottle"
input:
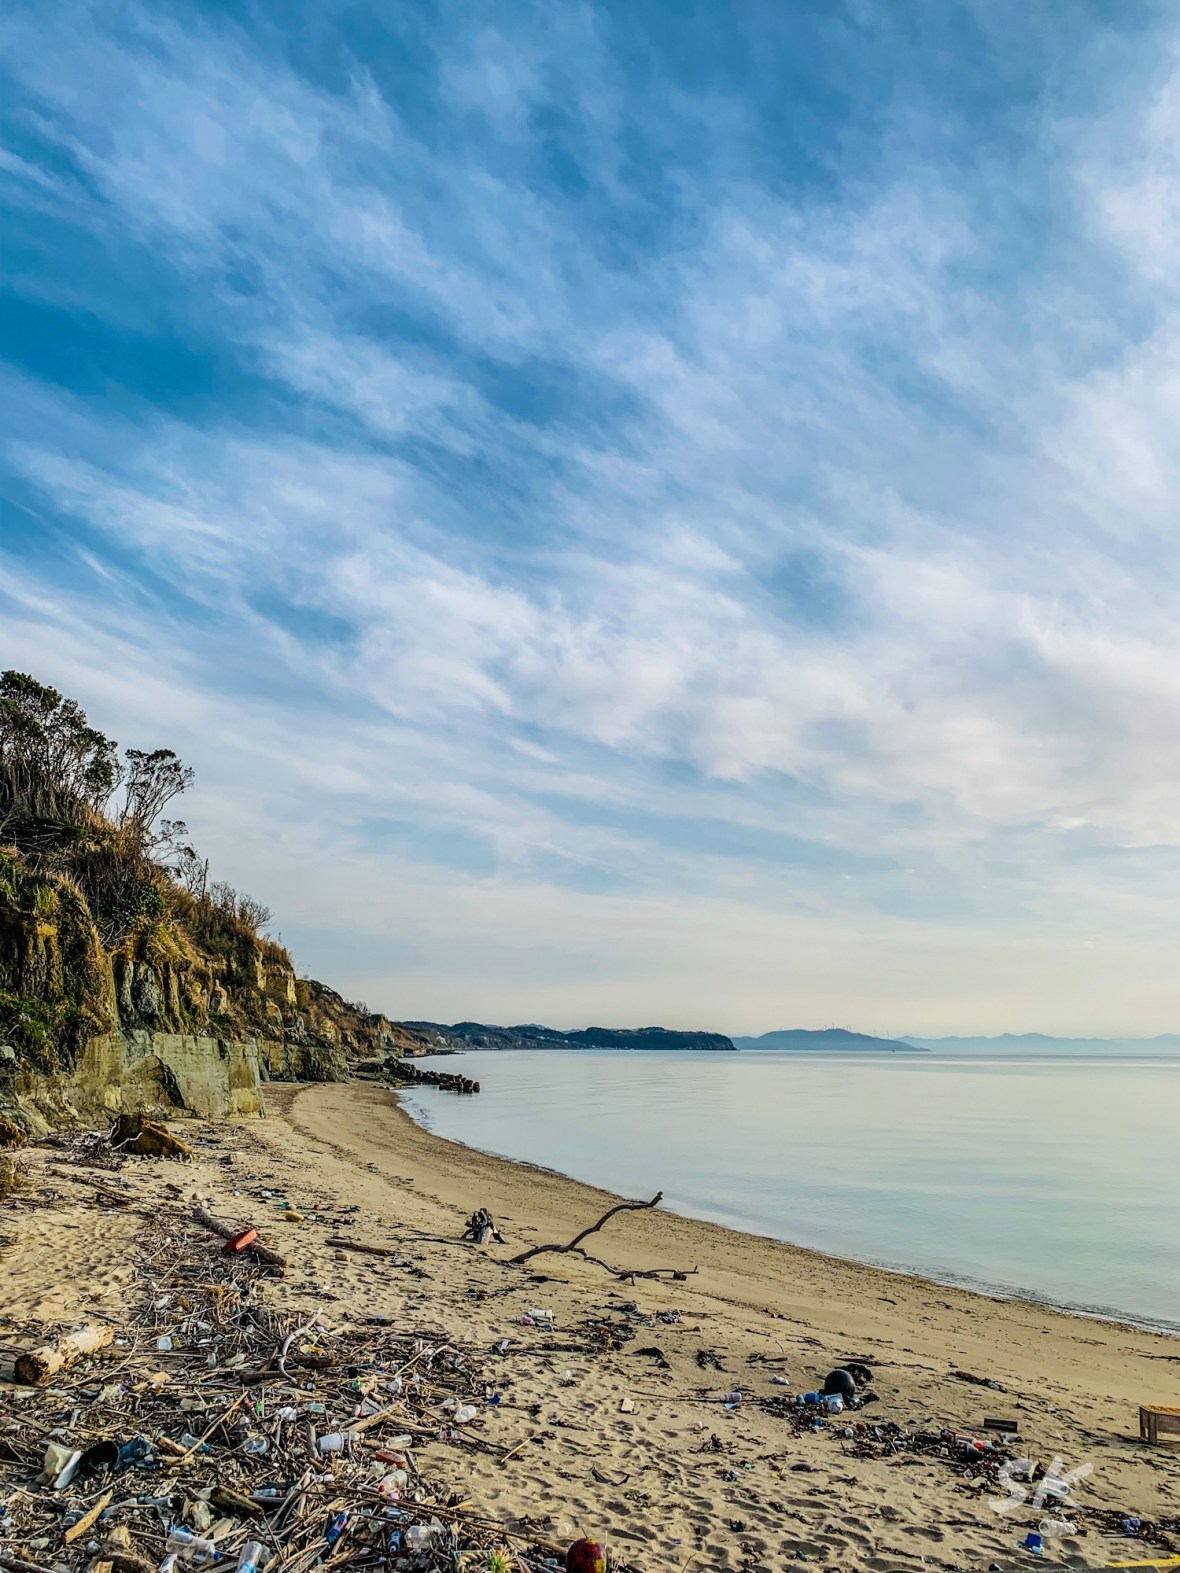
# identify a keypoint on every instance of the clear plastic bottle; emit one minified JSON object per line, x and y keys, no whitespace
{"x":185,"y":1546}
{"x":253,"y":1557}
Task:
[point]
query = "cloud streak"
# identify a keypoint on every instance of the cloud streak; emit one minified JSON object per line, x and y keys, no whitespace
{"x":554,"y":483}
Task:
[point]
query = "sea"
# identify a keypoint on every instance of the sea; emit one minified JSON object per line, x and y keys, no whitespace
{"x":1054,"y":1177}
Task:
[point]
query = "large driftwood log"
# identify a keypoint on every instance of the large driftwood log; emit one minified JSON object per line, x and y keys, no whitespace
{"x":148,"y":1138}
{"x":38,"y":1365}
{"x":227,"y":1231}
{"x":574,"y":1248}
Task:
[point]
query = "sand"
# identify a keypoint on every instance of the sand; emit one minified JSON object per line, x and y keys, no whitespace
{"x":620,"y":1445}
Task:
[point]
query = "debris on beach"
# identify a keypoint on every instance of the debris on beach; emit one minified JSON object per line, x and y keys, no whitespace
{"x":195,"y":1424}
{"x":481,"y":1227}
{"x":147,"y":1138}
{"x":198,"y":1425}
{"x":575,"y":1247}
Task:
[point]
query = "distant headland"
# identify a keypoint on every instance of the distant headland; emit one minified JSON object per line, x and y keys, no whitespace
{"x":479,"y":1035}
{"x":829,"y":1040}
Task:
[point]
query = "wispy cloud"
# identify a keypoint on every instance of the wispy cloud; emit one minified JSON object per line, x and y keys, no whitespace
{"x":608,"y":506}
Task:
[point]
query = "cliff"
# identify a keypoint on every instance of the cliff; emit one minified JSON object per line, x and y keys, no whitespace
{"x":126,"y":978}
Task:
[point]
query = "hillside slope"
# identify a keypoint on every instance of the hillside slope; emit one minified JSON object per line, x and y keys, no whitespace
{"x":123,"y":970}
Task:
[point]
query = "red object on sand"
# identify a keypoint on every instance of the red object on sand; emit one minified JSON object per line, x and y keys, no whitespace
{"x":239,"y":1242}
{"x":585,"y":1556}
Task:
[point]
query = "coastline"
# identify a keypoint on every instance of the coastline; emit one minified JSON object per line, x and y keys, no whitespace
{"x":1111,"y":1315}
{"x":633,"y":1443}
{"x":776,"y":1208}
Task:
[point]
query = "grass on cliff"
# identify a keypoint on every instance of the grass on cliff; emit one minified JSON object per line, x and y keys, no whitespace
{"x":91,"y":872}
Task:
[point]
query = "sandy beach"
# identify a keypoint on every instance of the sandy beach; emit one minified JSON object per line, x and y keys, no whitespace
{"x":635,"y":1446}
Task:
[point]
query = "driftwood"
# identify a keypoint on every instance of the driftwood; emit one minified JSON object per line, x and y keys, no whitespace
{"x":228,"y":1232}
{"x":574,"y":1248}
{"x":148,"y":1138}
{"x":7,"y":1560}
{"x":40,"y":1364}
{"x":339,"y":1241}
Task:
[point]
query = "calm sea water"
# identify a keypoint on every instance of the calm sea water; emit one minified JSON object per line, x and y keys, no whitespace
{"x":1057,"y":1177}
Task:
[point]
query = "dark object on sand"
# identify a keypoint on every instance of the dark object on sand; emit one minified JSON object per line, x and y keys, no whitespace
{"x":842,"y":1382}
{"x":585,"y":1556}
{"x":481,"y":1228}
{"x":978,"y":1381}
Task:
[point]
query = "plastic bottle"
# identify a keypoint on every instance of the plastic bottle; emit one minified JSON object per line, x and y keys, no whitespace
{"x":335,"y":1529}
{"x":187,"y":1547}
{"x":833,"y":1403}
{"x":335,"y":1442}
{"x":253,"y":1557}
{"x":419,"y":1536}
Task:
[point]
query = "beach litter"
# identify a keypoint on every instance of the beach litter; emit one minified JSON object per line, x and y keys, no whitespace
{"x":585,"y":1556}
{"x":481,"y":1227}
{"x":269,"y":1441}
{"x":289,"y":1440}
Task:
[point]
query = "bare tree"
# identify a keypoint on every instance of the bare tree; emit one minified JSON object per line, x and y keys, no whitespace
{"x":153,"y":780}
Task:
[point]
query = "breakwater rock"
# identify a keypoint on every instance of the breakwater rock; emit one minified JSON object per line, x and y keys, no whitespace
{"x":399,"y":1070}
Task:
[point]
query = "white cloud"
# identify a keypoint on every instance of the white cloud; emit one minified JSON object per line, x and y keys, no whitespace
{"x":603,"y":636}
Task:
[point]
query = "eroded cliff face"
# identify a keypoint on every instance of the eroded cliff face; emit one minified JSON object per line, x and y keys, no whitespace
{"x":154,"y":1023}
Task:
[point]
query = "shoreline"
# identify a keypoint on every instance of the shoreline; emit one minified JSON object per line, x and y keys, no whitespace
{"x":612,"y":1417}
{"x":447,"y":1158}
{"x":964,"y":1283}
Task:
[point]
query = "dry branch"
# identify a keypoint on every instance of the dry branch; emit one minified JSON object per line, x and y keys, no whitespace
{"x":227,"y":1232}
{"x":76,"y":1531}
{"x":574,"y":1248}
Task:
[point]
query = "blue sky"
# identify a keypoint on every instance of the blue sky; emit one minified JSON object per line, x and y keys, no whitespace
{"x":634,"y":513}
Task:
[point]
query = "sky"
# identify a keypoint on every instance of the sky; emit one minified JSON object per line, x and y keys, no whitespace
{"x":634,"y":513}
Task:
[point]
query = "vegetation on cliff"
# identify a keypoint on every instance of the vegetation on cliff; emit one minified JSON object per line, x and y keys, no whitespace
{"x":108,"y":918}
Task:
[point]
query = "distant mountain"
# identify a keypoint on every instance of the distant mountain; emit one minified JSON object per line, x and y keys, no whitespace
{"x":831,"y":1039}
{"x":479,"y":1035}
{"x":1040,"y":1042}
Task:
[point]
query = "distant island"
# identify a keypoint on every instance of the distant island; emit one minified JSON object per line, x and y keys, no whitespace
{"x":479,"y":1035}
{"x":831,"y":1039}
